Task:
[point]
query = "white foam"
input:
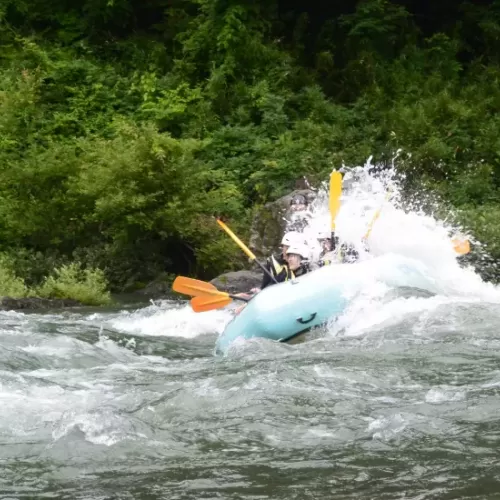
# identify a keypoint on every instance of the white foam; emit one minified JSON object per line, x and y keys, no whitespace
{"x":385,"y":428}
{"x":177,"y":321}
{"x":444,"y":395}
{"x":405,"y":231}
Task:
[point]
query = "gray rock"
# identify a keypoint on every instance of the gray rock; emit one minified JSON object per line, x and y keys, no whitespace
{"x":30,"y":303}
{"x":160,"y":287}
{"x":270,"y":223}
{"x":238,"y":281}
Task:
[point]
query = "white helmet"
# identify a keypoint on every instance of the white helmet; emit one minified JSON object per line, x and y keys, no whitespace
{"x":324,"y":235}
{"x":299,"y":249}
{"x":291,"y":238}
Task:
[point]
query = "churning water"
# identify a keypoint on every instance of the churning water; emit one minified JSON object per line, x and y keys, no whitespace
{"x":399,"y":398}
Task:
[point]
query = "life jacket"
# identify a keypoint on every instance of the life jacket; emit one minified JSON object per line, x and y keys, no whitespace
{"x":280,"y":270}
{"x":325,"y":262}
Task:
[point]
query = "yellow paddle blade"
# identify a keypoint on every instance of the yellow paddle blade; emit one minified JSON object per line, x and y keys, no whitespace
{"x":204,"y":303}
{"x":462,"y":247}
{"x":235,"y":238}
{"x":334,"y":198}
{"x":190,"y":286}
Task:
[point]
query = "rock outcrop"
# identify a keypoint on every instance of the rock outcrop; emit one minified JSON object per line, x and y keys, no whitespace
{"x":270,"y":222}
{"x":160,"y":287}
{"x":31,"y":303}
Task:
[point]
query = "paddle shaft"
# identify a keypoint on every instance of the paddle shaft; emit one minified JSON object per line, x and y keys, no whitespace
{"x":377,"y":215}
{"x":249,"y":253}
{"x":266,"y":270}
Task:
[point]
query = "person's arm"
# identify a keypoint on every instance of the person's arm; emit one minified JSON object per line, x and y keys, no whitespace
{"x":244,"y":295}
{"x":266,"y":279}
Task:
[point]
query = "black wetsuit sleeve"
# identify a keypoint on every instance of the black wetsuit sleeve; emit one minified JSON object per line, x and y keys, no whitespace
{"x":266,"y":280}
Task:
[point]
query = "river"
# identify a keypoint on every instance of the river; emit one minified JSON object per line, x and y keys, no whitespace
{"x":397,"y":399}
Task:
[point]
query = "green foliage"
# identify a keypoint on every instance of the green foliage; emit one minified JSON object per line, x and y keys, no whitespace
{"x":88,"y":286}
{"x":33,"y":266}
{"x":10,"y":284}
{"x":126,"y":126}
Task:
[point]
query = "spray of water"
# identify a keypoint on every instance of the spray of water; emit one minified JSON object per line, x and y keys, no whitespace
{"x":404,"y":230}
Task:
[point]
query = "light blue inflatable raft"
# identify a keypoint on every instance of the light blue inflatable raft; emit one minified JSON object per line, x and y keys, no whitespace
{"x":285,"y":311}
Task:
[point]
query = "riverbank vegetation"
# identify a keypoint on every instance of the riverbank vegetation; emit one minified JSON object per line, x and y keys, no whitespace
{"x":126,"y":125}
{"x":87,"y":286}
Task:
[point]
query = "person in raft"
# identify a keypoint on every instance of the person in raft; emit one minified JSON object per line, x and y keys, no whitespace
{"x":275,"y":264}
{"x":297,"y":262}
{"x":346,"y":252}
{"x":293,"y":262}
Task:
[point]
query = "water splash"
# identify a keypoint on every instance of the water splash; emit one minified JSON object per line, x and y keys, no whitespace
{"x":403,"y":229}
{"x":171,"y":319}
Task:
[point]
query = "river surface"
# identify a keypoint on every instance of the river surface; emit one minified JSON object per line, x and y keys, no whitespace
{"x":131,"y":403}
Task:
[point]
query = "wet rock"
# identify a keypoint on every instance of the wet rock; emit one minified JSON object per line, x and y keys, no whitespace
{"x":238,"y":281}
{"x":160,"y":287}
{"x":270,"y":223}
{"x":30,"y":303}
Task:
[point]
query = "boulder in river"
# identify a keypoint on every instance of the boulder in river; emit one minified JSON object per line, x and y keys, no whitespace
{"x":238,"y":281}
{"x":160,"y":287}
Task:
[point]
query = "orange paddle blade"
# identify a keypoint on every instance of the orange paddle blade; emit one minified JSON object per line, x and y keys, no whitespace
{"x":461,"y":246}
{"x":190,"y":286}
{"x":204,"y":303}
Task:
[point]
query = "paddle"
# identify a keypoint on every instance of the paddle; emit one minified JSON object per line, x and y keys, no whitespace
{"x":376,"y":216}
{"x":209,"y":303}
{"x":242,"y":245}
{"x":191,"y":286}
{"x":334,"y":200}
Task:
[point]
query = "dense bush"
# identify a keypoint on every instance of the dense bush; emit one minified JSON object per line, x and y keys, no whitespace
{"x":88,"y":286}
